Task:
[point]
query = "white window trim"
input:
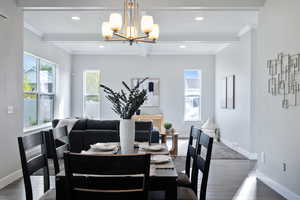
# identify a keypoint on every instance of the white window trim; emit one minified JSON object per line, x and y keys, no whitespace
{"x":200,"y":108}
{"x":84,"y":94}
{"x":48,"y":125}
{"x":38,"y":128}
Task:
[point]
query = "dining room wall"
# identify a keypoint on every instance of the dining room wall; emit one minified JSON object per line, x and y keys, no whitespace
{"x":235,"y":124}
{"x":11,"y":73}
{"x":169,"y":69}
{"x":276,"y":128}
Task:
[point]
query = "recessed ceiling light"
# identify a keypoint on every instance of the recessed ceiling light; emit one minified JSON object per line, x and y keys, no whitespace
{"x":199,"y":18}
{"x":101,"y":46}
{"x":76,"y":18}
{"x":182,"y":46}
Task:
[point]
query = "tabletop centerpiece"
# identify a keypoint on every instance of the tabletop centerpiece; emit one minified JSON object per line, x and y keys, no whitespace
{"x":125,"y":104}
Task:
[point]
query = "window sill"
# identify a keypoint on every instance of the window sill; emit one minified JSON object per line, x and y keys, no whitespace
{"x":35,"y":129}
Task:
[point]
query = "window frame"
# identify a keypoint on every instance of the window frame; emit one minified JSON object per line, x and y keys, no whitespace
{"x":84,"y":95}
{"x":38,"y":93}
{"x":185,"y":96}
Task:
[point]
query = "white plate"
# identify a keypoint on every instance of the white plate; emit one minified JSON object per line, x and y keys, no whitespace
{"x":104,"y":146}
{"x":153,"y":147}
{"x":160,"y":159}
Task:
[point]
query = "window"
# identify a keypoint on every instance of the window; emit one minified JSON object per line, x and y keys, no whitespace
{"x":39,"y":91}
{"x":192,"y":95}
{"x":91,"y":94}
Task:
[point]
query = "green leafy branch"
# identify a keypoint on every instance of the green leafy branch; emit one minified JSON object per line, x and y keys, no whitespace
{"x":123,"y":104}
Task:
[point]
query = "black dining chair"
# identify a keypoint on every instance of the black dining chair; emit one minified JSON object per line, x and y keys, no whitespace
{"x":35,"y":163}
{"x":193,"y":150}
{"x":57,"y":141}
{"x":107,"y":176}
{"x":201,"y":163}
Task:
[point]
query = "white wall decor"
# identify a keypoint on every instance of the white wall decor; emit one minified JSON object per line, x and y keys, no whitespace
{"x":284,"y":78}
{"x":228,"y":92}
{"x":224,"y":93}
{"x":231,"y":92}
{"x":152,"y":87}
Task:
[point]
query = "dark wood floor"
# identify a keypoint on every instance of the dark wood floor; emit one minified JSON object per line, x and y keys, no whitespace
{"x":229,"y":179}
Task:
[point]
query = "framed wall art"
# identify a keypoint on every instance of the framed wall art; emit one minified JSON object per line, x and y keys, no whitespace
{"x":223,"y":102}
{"x":231,"y":92}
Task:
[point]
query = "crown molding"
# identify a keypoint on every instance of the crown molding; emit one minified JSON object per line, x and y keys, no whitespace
{"x":246,"y":29}
{"x":33,"y":29}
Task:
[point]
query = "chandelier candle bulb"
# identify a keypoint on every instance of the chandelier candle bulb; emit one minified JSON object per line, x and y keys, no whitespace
{"x":147,"y":24}
{"x":154,"y":34}
{"x":107,"y":33}
{"x":115,"y":21}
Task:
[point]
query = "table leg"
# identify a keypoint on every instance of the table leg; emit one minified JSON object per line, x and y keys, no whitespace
{"x":171,"y":191}
{"x":163,"y":139}
{"x":174,"y":150}
{"x":175,"y":143}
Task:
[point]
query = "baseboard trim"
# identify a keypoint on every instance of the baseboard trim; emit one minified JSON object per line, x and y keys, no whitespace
{"x":10,"y":178}
{"x":250,"y":156}
{"x":282,"y":190}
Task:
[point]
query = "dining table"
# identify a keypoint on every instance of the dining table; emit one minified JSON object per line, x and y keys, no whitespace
{"x":163,"y":177}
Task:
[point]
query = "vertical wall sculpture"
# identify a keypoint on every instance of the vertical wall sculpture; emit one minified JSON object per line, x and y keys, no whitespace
{"x":284,"y":74}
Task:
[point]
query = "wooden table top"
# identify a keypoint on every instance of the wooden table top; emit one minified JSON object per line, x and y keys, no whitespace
{"x":155,"y":170}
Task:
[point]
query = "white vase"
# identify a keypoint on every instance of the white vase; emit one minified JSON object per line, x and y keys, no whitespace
{"x":127,"y":135}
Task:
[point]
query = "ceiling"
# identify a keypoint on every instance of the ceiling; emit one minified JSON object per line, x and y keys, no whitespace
{"x":170,"y":22}
{"x":177,"y":28}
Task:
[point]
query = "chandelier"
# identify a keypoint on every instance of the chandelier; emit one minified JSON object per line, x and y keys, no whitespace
{"x":128,"y":28}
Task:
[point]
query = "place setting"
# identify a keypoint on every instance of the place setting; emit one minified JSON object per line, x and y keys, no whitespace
{"x":103,"y":148}
{"x":155,"y":149}
{"x":162,"y":162}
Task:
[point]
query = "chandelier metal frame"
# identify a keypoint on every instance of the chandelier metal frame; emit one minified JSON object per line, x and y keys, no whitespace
{"x":130,"y":30}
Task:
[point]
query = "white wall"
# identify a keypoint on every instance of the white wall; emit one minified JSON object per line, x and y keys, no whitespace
{"x":115,"y":69}
{"x":277,"y":129}
{"x":11,"y":73}
{"x":34,"y":45}
{"x":235,"y":124}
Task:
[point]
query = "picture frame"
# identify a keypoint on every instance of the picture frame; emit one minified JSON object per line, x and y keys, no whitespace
{"x":223,"y":102}
{"x":231,"y":92}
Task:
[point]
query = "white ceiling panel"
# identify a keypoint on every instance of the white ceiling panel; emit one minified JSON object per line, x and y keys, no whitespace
{"x":177,"y":27}
{"x":170,"y":22}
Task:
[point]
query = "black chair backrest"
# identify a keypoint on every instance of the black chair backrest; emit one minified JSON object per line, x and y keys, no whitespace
{"x":202,"y":164}
{"x":57,"y":141}
{"x":37,"y":162}
{"x":106,"y":176}
{"x":142,"y":128}
{"x":192,"y":150}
